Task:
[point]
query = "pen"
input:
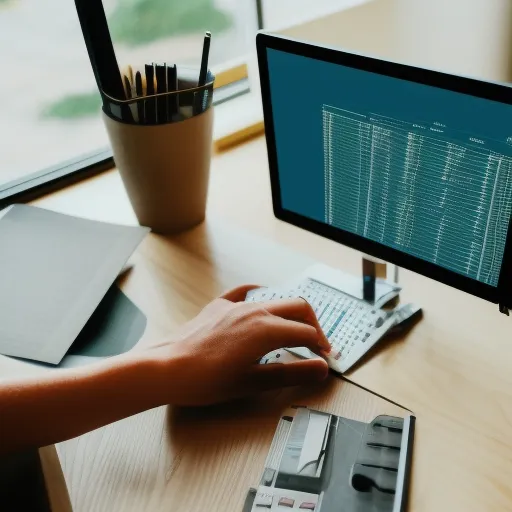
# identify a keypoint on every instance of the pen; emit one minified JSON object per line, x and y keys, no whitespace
{"x":139,"y":94}
{"x":150,"y":90}
{"x":161,"y":88}
{"x":198,"y":103}
{"x":172,"y":85}
{"x":176,"y":88}
{"x":167,"y":88}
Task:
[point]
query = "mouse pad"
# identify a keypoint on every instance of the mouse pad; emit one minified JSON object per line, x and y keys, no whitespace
{"x":115,"y":327}
{"x":318,"y":461}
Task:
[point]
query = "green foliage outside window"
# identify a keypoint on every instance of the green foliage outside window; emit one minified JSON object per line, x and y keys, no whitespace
{"x":136,"y":22}
{"x":139,"y":22}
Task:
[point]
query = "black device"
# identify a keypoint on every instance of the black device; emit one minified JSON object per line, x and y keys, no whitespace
{"x":409,"y":165}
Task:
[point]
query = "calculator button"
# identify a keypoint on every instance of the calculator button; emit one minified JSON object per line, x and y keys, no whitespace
{"x":264,"y":501}
{"x":286,"y":502}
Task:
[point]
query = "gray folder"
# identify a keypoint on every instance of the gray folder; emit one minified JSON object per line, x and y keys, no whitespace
{"x":54,"y":271}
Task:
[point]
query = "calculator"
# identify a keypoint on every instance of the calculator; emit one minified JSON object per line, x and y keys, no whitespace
{"x":351,"y":325}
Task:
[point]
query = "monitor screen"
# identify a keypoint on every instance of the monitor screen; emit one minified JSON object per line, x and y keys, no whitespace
{"x":419,"y":169}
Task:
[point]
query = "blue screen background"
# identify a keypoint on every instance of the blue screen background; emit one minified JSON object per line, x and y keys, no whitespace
{"x":301,"y":86}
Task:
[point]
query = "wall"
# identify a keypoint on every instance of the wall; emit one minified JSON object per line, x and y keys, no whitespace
{"x":470,"y":37}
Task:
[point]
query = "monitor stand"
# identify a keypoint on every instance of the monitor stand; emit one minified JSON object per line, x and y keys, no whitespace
{"x":373,"y":269}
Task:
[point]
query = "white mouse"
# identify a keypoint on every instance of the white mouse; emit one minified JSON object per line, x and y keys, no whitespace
{"x":283,"y":356}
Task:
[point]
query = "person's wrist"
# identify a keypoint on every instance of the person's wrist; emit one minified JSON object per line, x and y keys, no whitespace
{"x":165,"y":369}
{"x":139,"y":375}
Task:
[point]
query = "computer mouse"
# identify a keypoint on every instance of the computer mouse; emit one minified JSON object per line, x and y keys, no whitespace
{"x":281,"y":356}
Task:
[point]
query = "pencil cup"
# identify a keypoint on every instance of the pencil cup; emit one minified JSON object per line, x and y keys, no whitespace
{"x":165,"y":169}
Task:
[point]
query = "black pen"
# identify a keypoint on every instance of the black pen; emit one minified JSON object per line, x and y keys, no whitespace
{"x":139,"y":93}
{"x":203,"y":73}
{"x":176,"y":88}
{"x":172,"y":85}
{"x":161,"y":88}
{"x":150,"y":90}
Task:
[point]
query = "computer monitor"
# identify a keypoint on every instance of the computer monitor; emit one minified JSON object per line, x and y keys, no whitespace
{"x":408,"y":165}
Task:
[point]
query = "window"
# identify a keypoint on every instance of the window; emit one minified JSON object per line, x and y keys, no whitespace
{"x":50,"y":122}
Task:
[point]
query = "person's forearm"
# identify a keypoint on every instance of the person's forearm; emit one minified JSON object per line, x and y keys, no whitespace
{"x":63,"y":404}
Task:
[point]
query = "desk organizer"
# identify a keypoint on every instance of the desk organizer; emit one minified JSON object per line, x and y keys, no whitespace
{"x":165,"y":165}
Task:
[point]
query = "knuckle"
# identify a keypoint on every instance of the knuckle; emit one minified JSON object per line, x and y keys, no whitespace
{"x":309,"y":332}
{"x":253,"y":319}
{"x":255,"y":311}
{"x":308,"y":312}
{"x":252,"y":313}
{"x":234,"y":314}
{"x":261,"y":322}
{"x":306,"y":306}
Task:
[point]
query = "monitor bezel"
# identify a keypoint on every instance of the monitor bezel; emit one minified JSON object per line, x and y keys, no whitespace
{"x":482,"y":89}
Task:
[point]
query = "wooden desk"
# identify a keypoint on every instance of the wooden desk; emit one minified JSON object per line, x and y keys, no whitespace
{"x":196,"y":460}
{"x":452,"y":370}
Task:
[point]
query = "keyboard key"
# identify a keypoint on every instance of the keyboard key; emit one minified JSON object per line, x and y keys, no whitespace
{"x":307,"y":505}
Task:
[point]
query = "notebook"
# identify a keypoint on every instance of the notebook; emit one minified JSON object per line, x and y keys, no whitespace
{"x":55,"y":269}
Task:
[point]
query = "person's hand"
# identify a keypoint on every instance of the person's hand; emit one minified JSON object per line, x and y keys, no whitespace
{"x":215,"y":356}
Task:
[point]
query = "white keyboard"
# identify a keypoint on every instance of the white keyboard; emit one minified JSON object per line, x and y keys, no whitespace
{"x":351,"y":325}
